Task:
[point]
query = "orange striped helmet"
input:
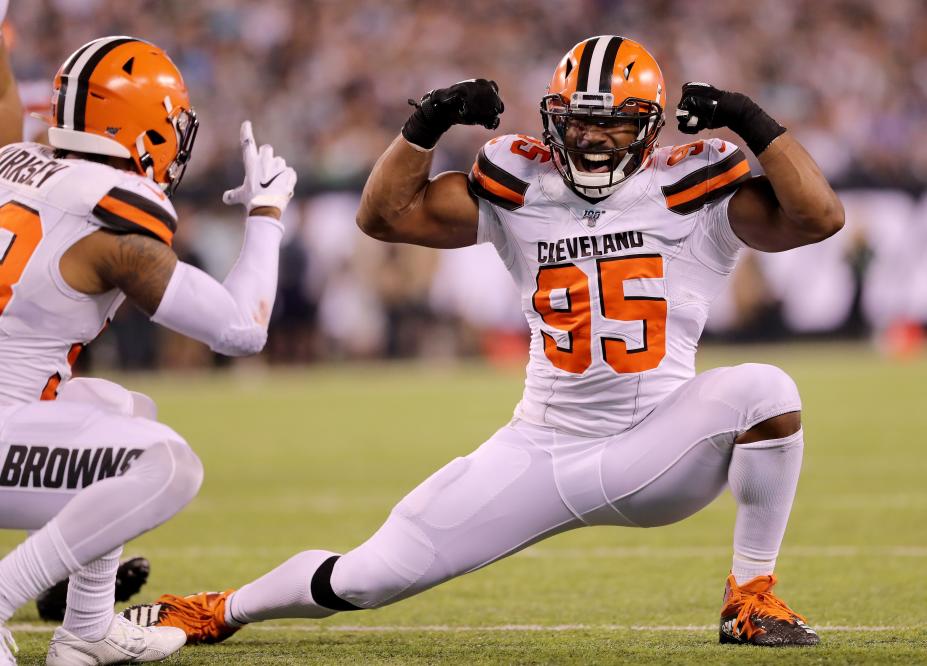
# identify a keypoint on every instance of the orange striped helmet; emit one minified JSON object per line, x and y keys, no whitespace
{"x":603,"y":81}
{"x":123,"y":97}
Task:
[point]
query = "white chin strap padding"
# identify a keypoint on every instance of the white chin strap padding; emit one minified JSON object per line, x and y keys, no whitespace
{"x":140,"y":149}
{"x":603,"y":183}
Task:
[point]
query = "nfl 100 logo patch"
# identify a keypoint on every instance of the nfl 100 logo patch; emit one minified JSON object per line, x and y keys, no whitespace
{"x":591,"y":215}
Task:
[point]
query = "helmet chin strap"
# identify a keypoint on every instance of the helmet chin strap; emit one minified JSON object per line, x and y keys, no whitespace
{"x":615,"y":177}
{"x":143,"y":157}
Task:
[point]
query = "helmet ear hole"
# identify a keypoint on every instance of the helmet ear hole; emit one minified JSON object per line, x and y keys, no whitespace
{"x":155,"y":138}
{"x":127,"y":65}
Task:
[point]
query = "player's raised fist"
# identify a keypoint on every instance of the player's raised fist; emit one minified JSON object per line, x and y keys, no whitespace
{"x":703,"y":106}
{"x":470,"y":102}
{"x":697,"y":108}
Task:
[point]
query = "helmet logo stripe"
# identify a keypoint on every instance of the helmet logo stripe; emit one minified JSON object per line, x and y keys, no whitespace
{"x":582,"y":74}
{"x":594,"y":75}
{"x":83,"y":80}
{"x":66,"y":69}
{"x":608,"y":65}
{"x":66,"y":102}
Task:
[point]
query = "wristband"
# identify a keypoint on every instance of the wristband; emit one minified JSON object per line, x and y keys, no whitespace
{"x":425,"y":126}
{"x":756,"y":127}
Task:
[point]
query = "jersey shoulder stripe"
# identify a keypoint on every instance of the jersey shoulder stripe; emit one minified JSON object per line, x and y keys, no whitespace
{"x":125,"y":211}
{"x":706,"y":184}
{"x":494,"y":184}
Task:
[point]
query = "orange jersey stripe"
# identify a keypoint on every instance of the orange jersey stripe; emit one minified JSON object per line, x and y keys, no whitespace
{"x":740,"y":169}
{"x":138,"y":216}
{"x":50,"y":392}
{"x":497,"y":188}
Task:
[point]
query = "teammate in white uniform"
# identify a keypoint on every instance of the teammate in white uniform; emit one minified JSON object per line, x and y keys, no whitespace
{"x":83,"y":225}
{"x":618,"y":248}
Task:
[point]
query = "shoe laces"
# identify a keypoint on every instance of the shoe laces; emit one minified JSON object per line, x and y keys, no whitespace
{"x":193,"y":611}
{"x":7,"y":642}
{"x":756,"y":599}
{"x":126,"y":632}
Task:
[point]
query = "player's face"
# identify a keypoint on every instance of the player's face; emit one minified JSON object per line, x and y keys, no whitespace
{"x":598,"y":134}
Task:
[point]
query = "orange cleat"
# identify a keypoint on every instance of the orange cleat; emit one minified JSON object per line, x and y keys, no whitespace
{"x":201,"y":616}
{"x":752,"y":615}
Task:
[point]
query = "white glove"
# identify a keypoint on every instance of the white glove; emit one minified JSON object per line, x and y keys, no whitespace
{"x":268,"y":180}
{"x":4,"y":4}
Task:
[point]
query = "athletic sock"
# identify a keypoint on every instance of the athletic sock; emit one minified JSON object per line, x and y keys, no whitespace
{"x":763,"y":477}
{"x":34,"y":566}
{"x":90,"y":598}
{"x":283,"y":592}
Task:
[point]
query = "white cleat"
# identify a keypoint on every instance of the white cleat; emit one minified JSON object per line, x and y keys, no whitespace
{"x":126,"y":643}
{"x":8,"y":647}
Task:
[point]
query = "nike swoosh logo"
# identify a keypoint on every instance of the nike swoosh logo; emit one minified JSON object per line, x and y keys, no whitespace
{"x":267,"y":184}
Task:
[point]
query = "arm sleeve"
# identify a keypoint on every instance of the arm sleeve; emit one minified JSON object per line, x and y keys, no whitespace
{"x":230,"y":317}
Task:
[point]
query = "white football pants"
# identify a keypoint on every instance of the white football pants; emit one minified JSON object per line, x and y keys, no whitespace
{"x":527,"y":483}
{"x":96,"y":458}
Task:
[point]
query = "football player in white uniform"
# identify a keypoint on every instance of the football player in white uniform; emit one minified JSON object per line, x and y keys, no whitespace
{"x":618,"y":247}
{"x":84,"y":225}
{"x":132,"y":573}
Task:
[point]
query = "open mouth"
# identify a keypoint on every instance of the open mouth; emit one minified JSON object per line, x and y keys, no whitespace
{"x":594,"y":162}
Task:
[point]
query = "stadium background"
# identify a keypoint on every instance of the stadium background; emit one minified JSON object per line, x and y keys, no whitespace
{"x":327,"y":82}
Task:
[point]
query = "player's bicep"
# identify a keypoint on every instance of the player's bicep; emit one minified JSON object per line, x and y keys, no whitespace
{"x":444,"y":215}
{"x":140,"y":266}
{"x":759,"y":221}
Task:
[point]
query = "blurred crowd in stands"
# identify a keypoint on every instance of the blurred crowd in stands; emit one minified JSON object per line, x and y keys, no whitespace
{"x":327,"y":83}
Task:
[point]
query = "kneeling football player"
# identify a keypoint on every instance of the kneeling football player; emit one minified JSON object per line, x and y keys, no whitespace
{"x":85,"y":224}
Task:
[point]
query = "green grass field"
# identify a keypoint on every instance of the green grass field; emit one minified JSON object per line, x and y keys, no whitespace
{"x":316,"y":458}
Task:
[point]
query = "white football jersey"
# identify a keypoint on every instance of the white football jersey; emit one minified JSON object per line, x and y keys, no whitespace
{"x":616,"y":292}
{"x":46,"y":205}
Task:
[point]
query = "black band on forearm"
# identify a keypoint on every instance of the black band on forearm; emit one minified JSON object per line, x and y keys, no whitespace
{"x":425,"y":126}
{"x":756,"y":127}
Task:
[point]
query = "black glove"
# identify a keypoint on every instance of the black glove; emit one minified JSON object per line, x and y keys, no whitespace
{"x":705,"y":107}
{"x":472,"y":102}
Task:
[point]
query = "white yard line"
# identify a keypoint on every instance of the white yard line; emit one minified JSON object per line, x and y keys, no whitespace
{"x":601,"y":552}
{"x":26,"y":628}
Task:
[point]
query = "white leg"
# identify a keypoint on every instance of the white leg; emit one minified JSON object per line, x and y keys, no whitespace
{"x":475,"y":510}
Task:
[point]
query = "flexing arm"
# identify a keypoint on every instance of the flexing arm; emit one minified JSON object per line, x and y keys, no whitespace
{"x":793,"y":204}
{"x":400,"y":203}
{"x":11,"y":109}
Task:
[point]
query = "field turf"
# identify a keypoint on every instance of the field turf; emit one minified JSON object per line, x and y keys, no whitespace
{"x":316,"y":458}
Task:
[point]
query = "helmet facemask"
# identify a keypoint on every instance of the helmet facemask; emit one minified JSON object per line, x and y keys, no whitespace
{"x":575,"y":164}
{"x":185,"y":125}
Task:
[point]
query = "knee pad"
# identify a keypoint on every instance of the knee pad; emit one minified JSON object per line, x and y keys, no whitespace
{"x":188,"y":473}
{"x":756,"y":391}
{"x":390,"y":566}
{"x":172,"y":469}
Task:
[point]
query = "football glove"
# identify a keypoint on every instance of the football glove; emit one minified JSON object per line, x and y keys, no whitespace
{"x":471,"y":102}
{"x":268,"y":180}
{"x":703,"y":106}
